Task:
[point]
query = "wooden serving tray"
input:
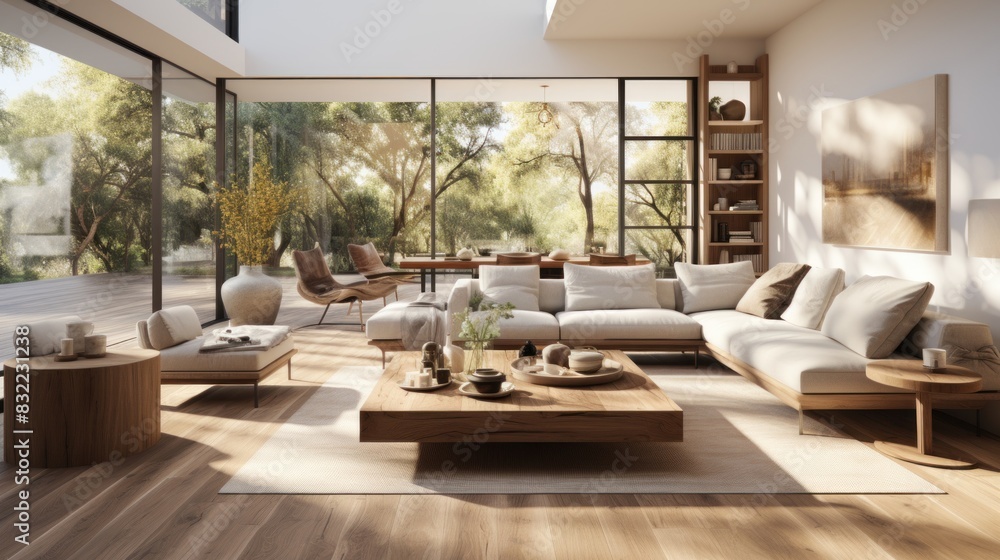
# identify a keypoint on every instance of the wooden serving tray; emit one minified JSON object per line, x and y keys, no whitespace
{"x":611,"y":371}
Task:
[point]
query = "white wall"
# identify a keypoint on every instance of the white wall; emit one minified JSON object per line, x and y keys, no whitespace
{"x":847,"y":49}
{"x":446,"y":38}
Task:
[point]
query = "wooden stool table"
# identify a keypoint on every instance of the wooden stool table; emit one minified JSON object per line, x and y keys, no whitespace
{"x":911,"y":375}
{"x":82,"y":412}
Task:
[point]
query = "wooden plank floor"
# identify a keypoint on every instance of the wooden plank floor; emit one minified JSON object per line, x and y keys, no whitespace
{"x":164,"y":503}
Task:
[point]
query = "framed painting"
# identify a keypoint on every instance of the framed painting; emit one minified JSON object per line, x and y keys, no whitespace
{"x":886,"y":170}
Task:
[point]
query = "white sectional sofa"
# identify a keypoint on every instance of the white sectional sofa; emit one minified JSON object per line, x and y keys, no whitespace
{"x":636,"y":328}
{"x":804,"y":366}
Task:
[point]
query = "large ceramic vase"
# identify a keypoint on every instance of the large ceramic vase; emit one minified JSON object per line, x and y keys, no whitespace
{"x":251,"y":297}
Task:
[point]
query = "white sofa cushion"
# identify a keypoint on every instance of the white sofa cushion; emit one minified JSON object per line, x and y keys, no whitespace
{"x":813,"y":297}
{"x":874,"y":315}
{"x":530,"y":325}
{"x":387,"y":323}
{"x":713,"y":286}
{"x":186,"y":358}
{"x":551,"y":295}
{"x":511,"y":284}
{"x":610,"y":287}
{"x":801,"y":359}
{"x":172,"y":326}
{"x":642,"y":324}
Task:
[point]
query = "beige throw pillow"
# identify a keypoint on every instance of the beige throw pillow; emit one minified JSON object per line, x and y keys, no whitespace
{"x":173,"y":326}
{"x":705,"y":287}
{"x":769,"y":295}
{"x":511,"y":284}
{"x":874,"y":315}
{"x":813,"y":297}
{"x":610,"y":287}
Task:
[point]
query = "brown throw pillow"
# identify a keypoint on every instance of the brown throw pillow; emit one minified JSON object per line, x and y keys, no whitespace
{"x":772,"y":292}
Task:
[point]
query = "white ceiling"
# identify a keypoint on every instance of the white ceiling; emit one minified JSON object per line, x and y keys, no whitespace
{"x":670,"y":19}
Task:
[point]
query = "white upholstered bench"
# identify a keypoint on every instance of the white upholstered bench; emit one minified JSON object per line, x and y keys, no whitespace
{"x":176,"y":332}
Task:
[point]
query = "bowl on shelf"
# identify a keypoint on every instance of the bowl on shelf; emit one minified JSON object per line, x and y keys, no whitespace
{"x":485,"y":252}
{"x":487,"y":380}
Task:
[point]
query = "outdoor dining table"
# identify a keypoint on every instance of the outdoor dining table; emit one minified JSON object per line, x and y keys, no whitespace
{"x":430,"y":266}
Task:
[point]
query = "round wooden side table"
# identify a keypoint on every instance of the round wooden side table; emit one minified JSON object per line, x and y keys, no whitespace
{"x":82,"y":412}
{"x":911,"y":375}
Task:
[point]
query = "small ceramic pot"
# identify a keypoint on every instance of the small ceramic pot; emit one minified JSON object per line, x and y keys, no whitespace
{"x":487,"y":380}
{"x":585,"y":361}
{"x":557,"y":354}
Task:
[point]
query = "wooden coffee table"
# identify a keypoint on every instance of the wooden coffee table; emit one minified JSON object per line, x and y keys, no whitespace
{"x":911,"y":375}
{"x":633,"y":408}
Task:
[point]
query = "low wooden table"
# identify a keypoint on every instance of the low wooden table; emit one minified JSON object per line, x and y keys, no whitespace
{"x":87,"y":411}
{"x":632,"y":408}
{"x":911,"y":375}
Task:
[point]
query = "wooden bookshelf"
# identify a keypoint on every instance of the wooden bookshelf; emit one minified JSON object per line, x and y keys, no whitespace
{"x":750,"y":137}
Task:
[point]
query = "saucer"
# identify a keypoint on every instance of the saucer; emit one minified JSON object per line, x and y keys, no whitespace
{"x":62,"y":358}
{"x":424,"y":389}
{"x":468,"y":390}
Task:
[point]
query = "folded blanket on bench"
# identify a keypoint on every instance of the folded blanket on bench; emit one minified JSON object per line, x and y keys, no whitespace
{"x":424,"y":321}
{"x":245,"y":338}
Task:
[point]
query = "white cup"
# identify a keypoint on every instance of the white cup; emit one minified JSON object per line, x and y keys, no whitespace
{"x":95,"y":345}
{"x":935,"y":358}
{"x":725,"y":174}
{"x":77,"y":330}
{"x":723,"y":204}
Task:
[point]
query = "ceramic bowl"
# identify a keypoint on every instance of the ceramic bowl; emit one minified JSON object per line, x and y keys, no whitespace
{"x":487,"y":380}
{"x":585,"y":361}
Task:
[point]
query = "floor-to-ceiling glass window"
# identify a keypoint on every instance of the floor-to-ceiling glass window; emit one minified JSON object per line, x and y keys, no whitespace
{"x":527,"y":164}
{"x":359,"y":153}
{"x":659,"y":172}
{"x":188,"y":131}
{"x":75,"y":177}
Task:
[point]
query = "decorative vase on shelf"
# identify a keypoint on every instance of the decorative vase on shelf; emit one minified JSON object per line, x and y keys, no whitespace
{"x":475,"y":355}
{"x":734,"y":110}
{"x":251,"y":297}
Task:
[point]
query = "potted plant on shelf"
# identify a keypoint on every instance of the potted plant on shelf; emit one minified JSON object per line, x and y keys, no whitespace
{"x":713,"y":109}
{"x":480,"y":327}
{"x":250,"y":216}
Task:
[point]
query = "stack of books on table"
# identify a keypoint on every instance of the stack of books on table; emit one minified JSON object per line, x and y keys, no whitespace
{"x":741,"y":236}
{"x":745,"y":205}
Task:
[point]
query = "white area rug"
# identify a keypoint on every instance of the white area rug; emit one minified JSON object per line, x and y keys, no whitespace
{"x":737,"y":439}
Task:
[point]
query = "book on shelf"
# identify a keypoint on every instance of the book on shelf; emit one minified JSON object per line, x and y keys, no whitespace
{"x":757,"y":231}
{"x":736,"y":141}
{"x":745,"y":205}
{"x":756,"y":259}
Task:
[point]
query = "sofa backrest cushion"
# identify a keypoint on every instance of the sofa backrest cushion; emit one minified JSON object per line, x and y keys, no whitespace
{"x":813,"y":297}
{"x":511,"y":284}
{"x":874,"y":315}
{"x":610,"y":287}
{"x":45,"y":337}
{"x":551,"y":295}
{"x":770,"y":294}
{"x":172,"y":326}
{"x":705,"y":287}
{"x":668,"y":293}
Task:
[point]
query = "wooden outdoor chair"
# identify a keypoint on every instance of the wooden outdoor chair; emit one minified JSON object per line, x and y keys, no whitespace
{"x":599,"y":259}
{"x":369,"y":264}
{"x":316,"y":284}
